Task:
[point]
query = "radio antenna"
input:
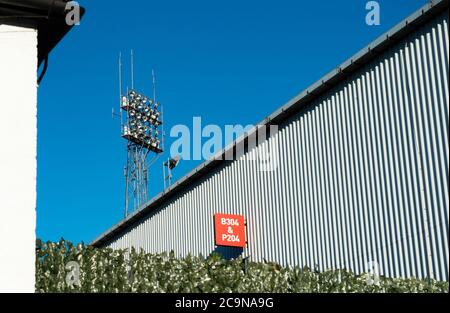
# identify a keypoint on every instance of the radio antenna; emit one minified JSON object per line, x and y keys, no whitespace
{"x":120,"y":88}
{"x":132,"y":69}
{"x":120,"y":75}
{"x":154,"y":85}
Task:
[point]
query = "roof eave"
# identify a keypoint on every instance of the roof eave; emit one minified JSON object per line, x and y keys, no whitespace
{"x":47,"y":16}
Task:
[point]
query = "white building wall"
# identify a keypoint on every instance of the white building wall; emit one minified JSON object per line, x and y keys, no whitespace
{"x":18,"y":100}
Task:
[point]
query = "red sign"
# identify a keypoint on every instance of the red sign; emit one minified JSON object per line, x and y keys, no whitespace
{"x":229,"y":230}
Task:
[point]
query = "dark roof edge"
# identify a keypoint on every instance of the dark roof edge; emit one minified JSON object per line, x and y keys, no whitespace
{"x":47,"y":16}
{"x":398,"y":32}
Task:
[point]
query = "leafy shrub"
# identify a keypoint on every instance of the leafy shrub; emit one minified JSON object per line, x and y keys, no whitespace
{"x":107,"y":270}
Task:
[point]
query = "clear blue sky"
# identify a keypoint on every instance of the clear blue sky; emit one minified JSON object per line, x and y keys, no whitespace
{"x":230,"y":62}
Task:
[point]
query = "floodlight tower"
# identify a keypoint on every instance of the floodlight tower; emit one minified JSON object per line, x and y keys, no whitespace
{"x":141,"y":119}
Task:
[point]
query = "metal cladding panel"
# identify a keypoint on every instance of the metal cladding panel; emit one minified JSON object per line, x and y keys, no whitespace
{"x":362,"y":176}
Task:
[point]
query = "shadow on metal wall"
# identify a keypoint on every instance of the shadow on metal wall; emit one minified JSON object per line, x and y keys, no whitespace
{"x":228,"y":253}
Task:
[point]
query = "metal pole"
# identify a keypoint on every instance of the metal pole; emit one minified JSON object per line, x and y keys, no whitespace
{"x":164,"y":176}
{"x":132,"y":69}
{"x":170,"y":171}
{"x":120,"y":89}
{"x":127,"y":183}
{"x":154,"y":85}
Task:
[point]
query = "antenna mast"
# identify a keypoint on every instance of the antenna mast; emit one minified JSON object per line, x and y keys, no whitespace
{"x":132,"y":69}
{"x":154,"y":84}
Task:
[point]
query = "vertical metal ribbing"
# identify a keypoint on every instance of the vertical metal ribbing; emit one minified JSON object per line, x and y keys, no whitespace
{"x":368,"y":170}
{"x":408,"y":191}
{"x":282,"y":188}
{"x":301,"y":193}
{"x":331,"y":188}
{"x":381,"y":257}
{"x":303,"y":190}
{"x":391,"y":173}
{"x":414,"y":185}
{"x":326,"y":186}
{"x":293,"y":184}
{"x":283,"y":193}
{"x":353,"y":189}
{"x":415,"y":71}
{"x":199,"y":205}
{"x":315,"y":204}
{"x":400,"y":162}
{"x":263,"y":185}
{"x":193,"y":223}
{"x":438,"y":135}
{"x":261,"y":214}
{"x":360,"y":204}
{"x":204,"y":214}
{"x":362,"y":176}
{"x":308,"y":191}
{"x":251,"y":215}
{"x":273,"y":189}
{"x":442,"y":80}
{"x":354,"y":206}
{"x":244,"y":201}
{"x":291,"y":196}
{"x":340,"y":206}
{"x":297,"y":202}
{"x":423,"y":151}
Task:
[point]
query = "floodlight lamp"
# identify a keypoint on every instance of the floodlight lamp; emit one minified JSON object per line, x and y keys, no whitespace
{"x":172,"y":163}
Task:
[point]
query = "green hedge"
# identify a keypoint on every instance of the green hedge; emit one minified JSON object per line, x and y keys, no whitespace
{"x":106,"y":270}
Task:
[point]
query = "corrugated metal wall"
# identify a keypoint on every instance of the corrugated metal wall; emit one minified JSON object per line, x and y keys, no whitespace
{"x":362,"y":176}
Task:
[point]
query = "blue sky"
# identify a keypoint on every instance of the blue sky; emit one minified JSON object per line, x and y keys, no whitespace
{"x":229,"y":62}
